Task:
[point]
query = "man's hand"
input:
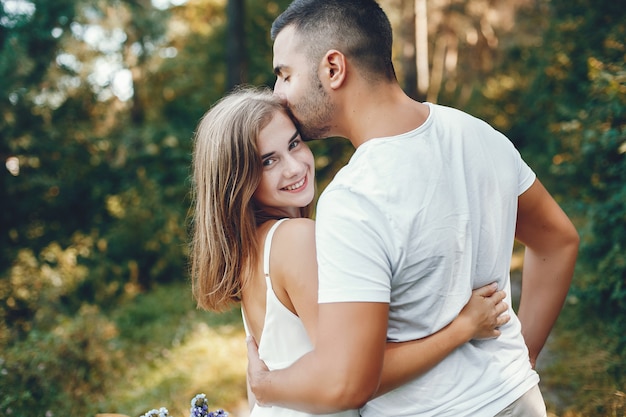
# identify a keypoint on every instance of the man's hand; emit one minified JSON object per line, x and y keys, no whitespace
{"x":257,"y":370}
{"x":342,"y":371}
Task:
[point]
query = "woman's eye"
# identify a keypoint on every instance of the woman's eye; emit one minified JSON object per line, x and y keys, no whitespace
{"x":268,"y":162}
{"x":294,"y":144}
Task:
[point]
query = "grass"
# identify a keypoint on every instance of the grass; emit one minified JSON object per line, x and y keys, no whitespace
{"x":174,"y":351}
{"x":576,"y":366}
{"x":581,"y":374}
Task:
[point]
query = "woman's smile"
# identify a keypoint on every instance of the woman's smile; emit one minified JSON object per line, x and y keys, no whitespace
{"x":296,"y":186}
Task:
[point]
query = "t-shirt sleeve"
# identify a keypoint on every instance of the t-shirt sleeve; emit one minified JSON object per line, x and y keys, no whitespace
{"x":526,"y":175}
{"x":352,"y":254}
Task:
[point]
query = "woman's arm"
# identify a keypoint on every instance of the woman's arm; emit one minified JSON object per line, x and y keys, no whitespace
{"x":479,"y":319}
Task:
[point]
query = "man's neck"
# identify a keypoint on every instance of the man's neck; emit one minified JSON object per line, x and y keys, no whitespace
{"x":382,"y":112}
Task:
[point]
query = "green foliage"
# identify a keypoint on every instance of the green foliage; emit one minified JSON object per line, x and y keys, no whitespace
{"x":583,"y":373}
{"x":569,"y":120}
{"x":36,"y":286}
{"x":98,"y":361}
{"x":586,"y":79}
{"x":561,"y":97}
{"x":140,"y":321}
{"x":27,"y":47}
{"x":174,"y":351}
{"x":87,"y":163}
{"x":96,"y":193}
{"x":599,"y":163}
{"x":63,"y":371}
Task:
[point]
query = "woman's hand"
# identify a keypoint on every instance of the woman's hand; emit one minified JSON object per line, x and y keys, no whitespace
{"x":485,"y":312}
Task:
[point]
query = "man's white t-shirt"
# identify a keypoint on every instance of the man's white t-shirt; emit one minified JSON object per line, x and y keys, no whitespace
{"x":418,"y":220}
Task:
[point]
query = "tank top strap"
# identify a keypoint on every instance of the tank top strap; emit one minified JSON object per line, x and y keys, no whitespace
{"x":245,"y":321}
{"x":266,"y":251}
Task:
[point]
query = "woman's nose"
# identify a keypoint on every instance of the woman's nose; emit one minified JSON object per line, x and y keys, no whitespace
{"x":293,"y":167}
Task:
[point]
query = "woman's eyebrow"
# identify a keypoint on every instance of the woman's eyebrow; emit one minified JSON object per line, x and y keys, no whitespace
{"x":295,"y":135}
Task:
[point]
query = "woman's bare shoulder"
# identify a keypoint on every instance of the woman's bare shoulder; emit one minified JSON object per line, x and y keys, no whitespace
{"x":293,"y":246}
{"x":294,"y":234}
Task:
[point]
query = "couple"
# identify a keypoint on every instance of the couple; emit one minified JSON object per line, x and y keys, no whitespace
{"x":426,"y":210}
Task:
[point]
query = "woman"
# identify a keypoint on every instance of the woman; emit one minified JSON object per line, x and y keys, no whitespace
{"x":251,"y":173}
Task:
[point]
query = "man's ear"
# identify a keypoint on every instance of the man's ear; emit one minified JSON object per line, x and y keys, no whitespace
{"x":334,"y":68}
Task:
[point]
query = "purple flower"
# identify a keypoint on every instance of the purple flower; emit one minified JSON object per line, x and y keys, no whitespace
{"x":161,"y":412}
{"x":199,"y":408}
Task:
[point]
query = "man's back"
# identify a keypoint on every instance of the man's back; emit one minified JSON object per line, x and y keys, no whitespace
{"x":417,"y":221}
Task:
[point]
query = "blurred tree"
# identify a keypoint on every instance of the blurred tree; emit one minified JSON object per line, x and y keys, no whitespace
{"x":101,"y":99}
{"x":31,"y":212}
{"x":561,"y":95}
{"x":28,"y":42}
{"x":460,"y":44}
{"x":236,"y":55}
{"x":402,"y":16}
{"x":463,"y":43}
{"x":587,"y":79}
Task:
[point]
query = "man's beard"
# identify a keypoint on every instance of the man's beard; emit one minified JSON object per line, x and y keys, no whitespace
{"x":315,"y":111}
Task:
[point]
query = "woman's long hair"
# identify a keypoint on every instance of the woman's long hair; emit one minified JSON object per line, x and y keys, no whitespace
{"x":227,"y":169}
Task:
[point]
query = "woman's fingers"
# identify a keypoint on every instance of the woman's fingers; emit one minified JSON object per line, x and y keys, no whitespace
{"x":486,"y":291}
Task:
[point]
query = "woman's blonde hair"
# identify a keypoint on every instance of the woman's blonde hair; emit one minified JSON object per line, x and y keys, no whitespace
{"x":227,"y":169}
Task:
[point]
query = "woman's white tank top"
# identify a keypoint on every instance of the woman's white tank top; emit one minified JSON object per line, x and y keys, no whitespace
{"x":284,"y":338}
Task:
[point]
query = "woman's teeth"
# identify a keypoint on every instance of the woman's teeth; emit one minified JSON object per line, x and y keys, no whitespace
{"x":296,"y":185}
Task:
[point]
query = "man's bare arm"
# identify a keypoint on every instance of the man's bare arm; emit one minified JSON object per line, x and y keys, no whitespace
{"x":551,"y":250}
{"x":342,"y":372}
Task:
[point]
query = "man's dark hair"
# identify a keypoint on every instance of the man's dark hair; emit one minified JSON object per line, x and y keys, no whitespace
{"x":359,"y":29}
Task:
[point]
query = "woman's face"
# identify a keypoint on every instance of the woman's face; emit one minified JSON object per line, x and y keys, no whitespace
{"x":287,"y":183}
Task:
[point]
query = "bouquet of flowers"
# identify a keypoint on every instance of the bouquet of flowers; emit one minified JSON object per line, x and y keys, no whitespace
{"x":199,"y":408}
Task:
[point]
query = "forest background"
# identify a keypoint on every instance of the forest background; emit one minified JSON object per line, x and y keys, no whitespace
{"x":98,"y":103}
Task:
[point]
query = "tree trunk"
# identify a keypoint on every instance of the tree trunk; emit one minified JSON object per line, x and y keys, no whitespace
{"x":421,"y":46}
{"x":236,"y":46}
{"x":406,"y":53}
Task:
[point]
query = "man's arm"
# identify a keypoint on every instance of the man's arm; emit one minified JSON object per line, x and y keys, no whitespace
{"x":342,"y":372}
{"x":551,"y":249}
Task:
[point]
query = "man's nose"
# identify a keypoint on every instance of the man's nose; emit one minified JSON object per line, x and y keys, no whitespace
{"x":278,"y":91}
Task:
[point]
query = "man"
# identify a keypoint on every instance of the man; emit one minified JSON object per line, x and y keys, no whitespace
{"x":427,"y":209}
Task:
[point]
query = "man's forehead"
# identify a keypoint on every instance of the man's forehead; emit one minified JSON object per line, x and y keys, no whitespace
{"x":285,"y":44}
{"x":287,"y":33}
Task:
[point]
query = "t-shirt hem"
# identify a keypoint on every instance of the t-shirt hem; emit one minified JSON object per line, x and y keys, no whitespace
{"x":506,"y":400}
{"x":355,"y":296}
